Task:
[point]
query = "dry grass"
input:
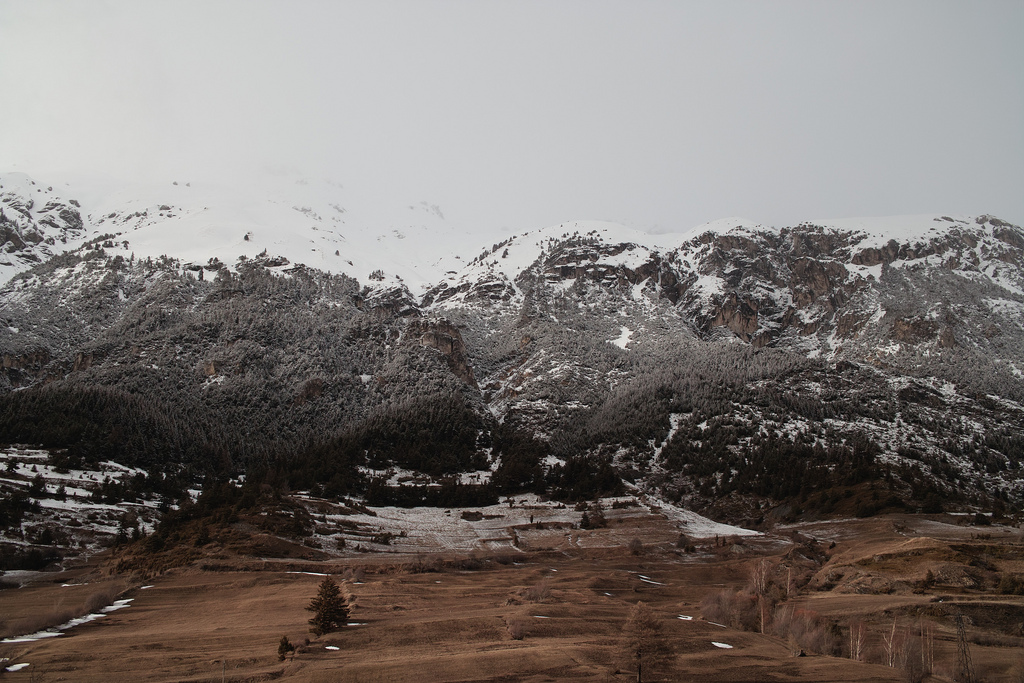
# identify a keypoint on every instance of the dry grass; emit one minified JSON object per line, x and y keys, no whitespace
{"x":59,"y":614}
{"x":448,"y":618}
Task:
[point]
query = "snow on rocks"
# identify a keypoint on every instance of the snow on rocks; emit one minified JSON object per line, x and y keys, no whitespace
{"x":67,"y":499}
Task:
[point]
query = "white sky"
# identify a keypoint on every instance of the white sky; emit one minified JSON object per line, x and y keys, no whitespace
{"x":658,"y":115}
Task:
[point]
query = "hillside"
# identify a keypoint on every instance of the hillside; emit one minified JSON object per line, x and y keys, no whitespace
{"x":746,"y":371}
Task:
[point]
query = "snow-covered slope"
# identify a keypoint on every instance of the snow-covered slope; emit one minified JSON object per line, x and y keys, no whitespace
{"x":319,"y":224}
{"x":495,"y":275}
{"x":36,"y":222}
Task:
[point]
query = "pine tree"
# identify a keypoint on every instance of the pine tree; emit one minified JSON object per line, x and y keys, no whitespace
{"x":284,"y":648}
{"x":330,"y":608}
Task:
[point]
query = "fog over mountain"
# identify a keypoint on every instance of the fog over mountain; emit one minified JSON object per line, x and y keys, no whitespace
{"x":486,"y":249}
{"x":513,"y":116}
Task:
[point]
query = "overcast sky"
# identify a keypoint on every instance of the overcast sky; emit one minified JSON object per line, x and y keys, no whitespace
{"x":658,"y":115}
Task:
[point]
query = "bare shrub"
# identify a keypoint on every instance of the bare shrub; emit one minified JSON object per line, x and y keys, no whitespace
{"x":995,"y":640}
{"x":804,"y":629}
{"x":504,"y":558}
{"x":539,"y":593}
{"x":636,"y":546}
{"x":471,"y":564}
{"x":732,"y":608}
{"x":354,"y":574}
{"x":516,"y":626}
{"x":643,"y":641}
{"x":99,"y":599}
{"x":424,"y":564}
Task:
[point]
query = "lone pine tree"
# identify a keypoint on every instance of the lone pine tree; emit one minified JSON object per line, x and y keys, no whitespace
{"x":329,"y":607}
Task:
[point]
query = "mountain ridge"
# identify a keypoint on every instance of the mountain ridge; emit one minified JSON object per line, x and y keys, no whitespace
{"x":692,"y":364}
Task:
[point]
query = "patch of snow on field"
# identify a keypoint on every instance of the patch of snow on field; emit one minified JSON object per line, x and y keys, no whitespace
{"x":426,"y":528}
{"x":693,"y":524}
{"x":724,"y":646}
{"x":16,"y":667}
{"x":59,"y":630}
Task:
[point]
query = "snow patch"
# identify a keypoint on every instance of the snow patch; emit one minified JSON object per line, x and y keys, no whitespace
{"x":623,"y":339}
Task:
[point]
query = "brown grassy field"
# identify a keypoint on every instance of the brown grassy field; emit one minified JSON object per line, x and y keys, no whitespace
{"x":452,"y":617}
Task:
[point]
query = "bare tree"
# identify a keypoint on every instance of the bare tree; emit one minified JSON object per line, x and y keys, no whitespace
{"x":643,"y":641}
{"x":858,"y":636}
{"x":759,"y":577}
{"x":891,"y":645}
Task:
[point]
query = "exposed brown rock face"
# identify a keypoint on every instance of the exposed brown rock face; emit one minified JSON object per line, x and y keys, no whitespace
{"x":738,"y":315}
{"x":872,"y":256}
{"x":812,"y":280}
{"x":25,"y":368}
{"x":34,"y":359}
{"x":444,"y":337}
{"x":914,"y":330}
{"x":83,"y":361}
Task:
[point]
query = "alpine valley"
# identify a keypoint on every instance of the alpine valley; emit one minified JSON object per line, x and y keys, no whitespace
{"x":294,"y":338}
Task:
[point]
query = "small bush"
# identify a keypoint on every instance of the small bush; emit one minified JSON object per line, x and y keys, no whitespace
{"x":284,"y":648}
{"x":516,"y":626}
{"x":1011,"y":584}
{"x":100,"y":599}
{"x":636,"y":547}
{"x":539,"y":593}
{"x":354,"y":574}
{"x":505,"y":558}
{"x":424,"y":564}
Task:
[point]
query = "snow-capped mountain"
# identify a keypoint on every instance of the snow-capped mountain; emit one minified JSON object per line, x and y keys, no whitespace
{"x":318,"y":224}
{"x":176,"y":323}
{"x":36,"y":222}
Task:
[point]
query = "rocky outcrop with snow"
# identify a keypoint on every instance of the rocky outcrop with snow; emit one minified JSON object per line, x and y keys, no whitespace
{"x":36,"y":222}
{"x":242,"y":325}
